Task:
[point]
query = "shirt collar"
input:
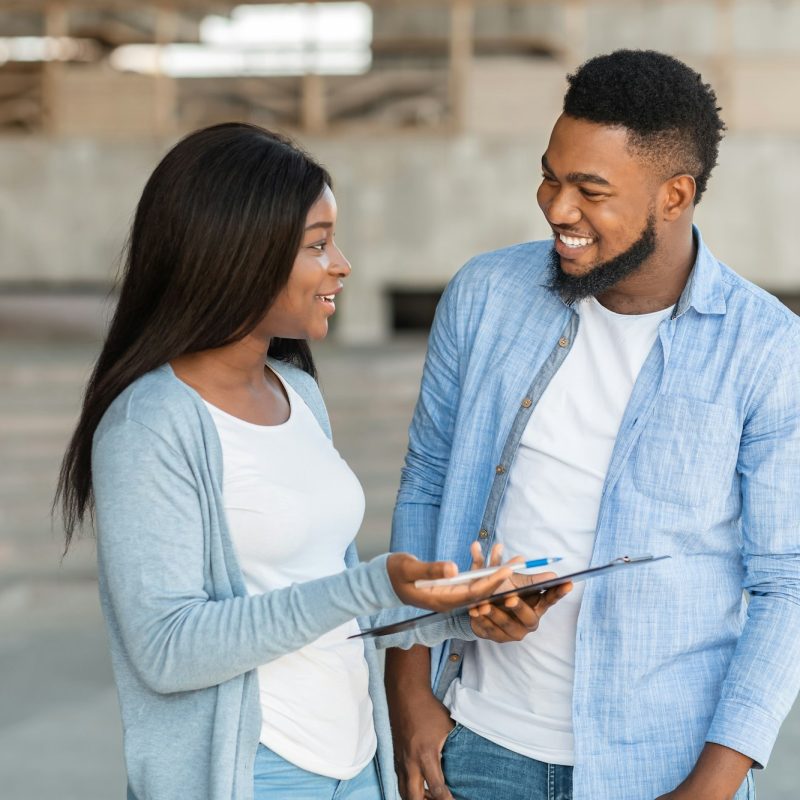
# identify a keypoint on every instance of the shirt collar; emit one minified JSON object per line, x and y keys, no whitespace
{"x":703,"y":291}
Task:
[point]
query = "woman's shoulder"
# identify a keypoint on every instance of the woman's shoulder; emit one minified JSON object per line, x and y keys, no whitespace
{"x":305,"y":386}
{"x":296,"y":377}
{"x":157,"y":400}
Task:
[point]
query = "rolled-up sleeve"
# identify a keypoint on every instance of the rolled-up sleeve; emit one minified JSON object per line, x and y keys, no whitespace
{"x":764,"y":675}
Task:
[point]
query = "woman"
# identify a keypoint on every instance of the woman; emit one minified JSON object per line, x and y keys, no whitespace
{"x":225,"y":517}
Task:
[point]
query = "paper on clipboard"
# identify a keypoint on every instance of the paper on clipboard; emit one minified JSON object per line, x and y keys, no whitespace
{"x":622,"y":563}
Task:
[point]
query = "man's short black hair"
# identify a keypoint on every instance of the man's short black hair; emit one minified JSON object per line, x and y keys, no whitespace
{"x":671,"y":116}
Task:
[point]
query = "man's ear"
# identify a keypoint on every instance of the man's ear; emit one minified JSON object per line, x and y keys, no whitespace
{"x":678,"y":195}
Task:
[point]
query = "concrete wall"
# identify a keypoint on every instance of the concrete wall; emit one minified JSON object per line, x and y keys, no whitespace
{"x":688,"y":27}
{"x":412,"y":209}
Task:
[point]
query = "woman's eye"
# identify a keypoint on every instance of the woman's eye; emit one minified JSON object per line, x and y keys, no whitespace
{"x":318,"y":246}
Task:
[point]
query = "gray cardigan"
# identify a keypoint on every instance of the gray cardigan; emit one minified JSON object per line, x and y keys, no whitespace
{"x":185,"y":636}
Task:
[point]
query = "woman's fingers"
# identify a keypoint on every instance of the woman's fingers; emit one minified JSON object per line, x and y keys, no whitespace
{"x":404,"y":570}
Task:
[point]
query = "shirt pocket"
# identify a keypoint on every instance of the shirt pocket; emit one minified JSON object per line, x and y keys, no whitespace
{"x":687,"y":452}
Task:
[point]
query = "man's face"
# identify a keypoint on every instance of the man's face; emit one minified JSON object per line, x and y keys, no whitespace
{"x":599,"y":201}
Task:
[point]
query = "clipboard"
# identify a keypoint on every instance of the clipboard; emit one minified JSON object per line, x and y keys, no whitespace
{"x":622,"y":563}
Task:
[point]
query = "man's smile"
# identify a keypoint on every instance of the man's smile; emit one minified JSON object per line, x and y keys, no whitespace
{"x":575,"y":241}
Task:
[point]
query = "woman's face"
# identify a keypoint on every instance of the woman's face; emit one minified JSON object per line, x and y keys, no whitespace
{"x":302,"y":309}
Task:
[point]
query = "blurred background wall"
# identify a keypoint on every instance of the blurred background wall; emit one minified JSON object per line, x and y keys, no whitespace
{"x":433,"y":139}
{"x":432,"y":116}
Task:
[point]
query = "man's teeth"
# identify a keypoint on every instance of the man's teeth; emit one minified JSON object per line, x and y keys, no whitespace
{"x":574,"y":241}
{"x":327,"y":297}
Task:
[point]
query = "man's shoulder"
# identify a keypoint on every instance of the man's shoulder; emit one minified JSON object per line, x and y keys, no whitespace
{"x":527,"y":262}
{"x":745,"y":299}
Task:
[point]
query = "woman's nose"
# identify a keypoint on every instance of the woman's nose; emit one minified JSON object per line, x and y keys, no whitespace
{"x":340,"y":265}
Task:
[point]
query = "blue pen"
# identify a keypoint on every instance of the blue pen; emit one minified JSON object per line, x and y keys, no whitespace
{"x":471,"y":575}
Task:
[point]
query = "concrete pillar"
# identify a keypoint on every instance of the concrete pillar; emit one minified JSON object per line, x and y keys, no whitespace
{"x":462,"y":20}
{"x":724,"y":48}
{"x":312,"y":104}
{"x":56,"y":24}
{"x":165,"y":95}
{"x":575,"y":30}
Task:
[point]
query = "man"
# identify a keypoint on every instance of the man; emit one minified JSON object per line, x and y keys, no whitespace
{"x":614,"y":391}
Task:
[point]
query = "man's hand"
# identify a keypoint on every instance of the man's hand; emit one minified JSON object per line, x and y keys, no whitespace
{"x":420,"y":724}
{"x":516,"y":617}
{"x":718,"y":774}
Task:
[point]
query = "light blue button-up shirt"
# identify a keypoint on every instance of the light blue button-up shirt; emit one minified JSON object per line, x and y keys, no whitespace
{"x":706,"y":468}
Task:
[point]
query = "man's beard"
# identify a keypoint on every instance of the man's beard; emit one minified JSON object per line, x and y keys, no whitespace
{"x":602,"y":277}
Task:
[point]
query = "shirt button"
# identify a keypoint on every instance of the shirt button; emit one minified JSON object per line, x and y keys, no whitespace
{"x":527,"y":402}
{"x":454,"y":657}
{"x":483,"y":533}
{"x":499,"y":469}
{"x":563,"y":341}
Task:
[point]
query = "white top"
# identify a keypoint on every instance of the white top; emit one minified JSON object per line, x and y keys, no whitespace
{"x":293,"y":506}
{"x":519,"y":695}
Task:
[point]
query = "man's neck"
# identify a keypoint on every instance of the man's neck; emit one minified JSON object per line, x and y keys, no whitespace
{"x":658,"y":284}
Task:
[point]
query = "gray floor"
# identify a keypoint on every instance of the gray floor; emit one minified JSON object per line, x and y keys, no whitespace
{"x":59,"y":731}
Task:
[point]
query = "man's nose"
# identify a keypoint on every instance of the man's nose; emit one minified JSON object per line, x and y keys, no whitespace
{"x":561,"y":209}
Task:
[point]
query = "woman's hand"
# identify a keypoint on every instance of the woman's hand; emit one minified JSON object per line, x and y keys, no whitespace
{"x":516,"y":617}
{"x":404,"y":569}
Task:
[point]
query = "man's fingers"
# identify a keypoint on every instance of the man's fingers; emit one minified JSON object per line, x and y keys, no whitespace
{"x":431,"y":763}
{"x":497,"y":618}
{"x":527,"y":615}
{"x":477,"y":555}
{"x":410,"y":782}
{"x":485,"y":627}
{"x":552,"y":596}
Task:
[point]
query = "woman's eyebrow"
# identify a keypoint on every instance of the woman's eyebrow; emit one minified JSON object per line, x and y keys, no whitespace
{"x":318,"y":225}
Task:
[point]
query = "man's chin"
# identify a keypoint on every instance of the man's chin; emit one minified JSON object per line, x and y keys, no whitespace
{"x":573,"y":267}
{"x":574,"y":280}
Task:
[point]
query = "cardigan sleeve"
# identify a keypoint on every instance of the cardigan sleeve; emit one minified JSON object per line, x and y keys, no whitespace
{"x":152,"y":528}
{"x":457,"y":627}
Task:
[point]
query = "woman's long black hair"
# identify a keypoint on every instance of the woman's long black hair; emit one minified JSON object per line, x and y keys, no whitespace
{"x":213,"y":241}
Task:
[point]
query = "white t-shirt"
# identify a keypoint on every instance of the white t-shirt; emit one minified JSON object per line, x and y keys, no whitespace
{"x":519,"y":695}
{"x":293,"y":506}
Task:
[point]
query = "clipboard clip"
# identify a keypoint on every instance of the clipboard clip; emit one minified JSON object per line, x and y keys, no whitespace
{"x":634,"y":559}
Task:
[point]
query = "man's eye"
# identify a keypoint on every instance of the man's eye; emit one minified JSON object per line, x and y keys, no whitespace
{"x":548,"y":178}
{"x":590,"y":194}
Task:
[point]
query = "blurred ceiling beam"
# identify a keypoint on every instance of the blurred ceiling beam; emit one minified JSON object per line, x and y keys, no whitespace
{"x":222,"y":6}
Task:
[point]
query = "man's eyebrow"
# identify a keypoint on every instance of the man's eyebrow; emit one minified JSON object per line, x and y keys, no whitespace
{"x":577,"y":177}
{"x":311,"y":227}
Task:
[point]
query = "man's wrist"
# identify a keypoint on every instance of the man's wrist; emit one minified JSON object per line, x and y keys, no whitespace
{"x":407,"y":672}
{"x":718,"y":774}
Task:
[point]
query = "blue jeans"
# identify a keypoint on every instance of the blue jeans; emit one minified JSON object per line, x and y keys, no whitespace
{"x":275,"y":778}
{"x":477,"y":769}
